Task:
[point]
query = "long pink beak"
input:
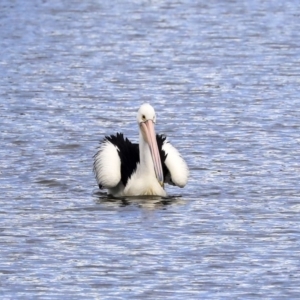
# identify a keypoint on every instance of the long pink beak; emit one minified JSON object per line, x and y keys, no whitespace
{"x":150,"y":137}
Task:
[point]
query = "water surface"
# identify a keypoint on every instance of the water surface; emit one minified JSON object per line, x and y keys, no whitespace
{"x":224,"y":79}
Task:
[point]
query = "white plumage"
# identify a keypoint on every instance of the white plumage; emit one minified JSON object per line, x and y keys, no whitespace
{"x":176,"y":165}
{"x":108,"y":165}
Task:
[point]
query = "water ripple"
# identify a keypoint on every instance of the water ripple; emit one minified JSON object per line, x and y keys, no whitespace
{"x":224,"y":79}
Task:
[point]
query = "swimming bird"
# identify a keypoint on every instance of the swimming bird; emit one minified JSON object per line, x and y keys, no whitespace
{"x":128,"y":169}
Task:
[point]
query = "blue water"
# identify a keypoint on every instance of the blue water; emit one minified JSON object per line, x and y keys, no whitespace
{"x":224,"y":80}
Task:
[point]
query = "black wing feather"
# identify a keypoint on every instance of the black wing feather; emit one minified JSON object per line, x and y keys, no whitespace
{"x":128,"y":153}
{"x":160,"y":138}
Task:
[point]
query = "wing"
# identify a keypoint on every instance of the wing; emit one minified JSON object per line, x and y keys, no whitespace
{"x":175,"y":169}
{"x":115,"y":161}
{"x":107,"y":164}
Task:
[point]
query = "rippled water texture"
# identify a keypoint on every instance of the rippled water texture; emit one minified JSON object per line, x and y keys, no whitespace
{"x":224,"y":78}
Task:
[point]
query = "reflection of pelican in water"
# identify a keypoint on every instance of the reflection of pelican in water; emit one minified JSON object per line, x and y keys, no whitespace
{"x":148,"y":202}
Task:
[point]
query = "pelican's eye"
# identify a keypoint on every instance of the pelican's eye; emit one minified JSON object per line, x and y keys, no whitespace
{"x":143,"y":117}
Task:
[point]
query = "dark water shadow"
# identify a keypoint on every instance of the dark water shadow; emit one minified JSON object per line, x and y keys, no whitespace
{"x":148,"y":202}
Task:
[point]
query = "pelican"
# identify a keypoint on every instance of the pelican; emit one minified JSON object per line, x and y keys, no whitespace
{"x":128,"y":169}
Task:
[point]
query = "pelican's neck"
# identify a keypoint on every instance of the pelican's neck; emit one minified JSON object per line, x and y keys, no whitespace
{"x":146,"y":162}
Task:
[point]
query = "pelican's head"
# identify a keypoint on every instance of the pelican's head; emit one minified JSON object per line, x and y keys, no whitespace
{"x":146,"y":119}
{"x":146,"y":112}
